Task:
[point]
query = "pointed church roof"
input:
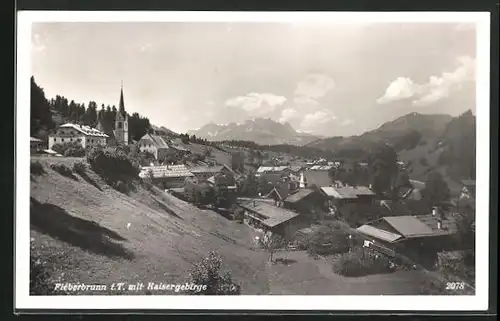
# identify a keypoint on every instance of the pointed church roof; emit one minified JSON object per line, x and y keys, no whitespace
{"x":121,"y":114}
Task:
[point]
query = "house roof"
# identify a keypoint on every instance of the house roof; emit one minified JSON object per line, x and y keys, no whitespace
{"x":156,"y":140}
{"x":282,"y":190}
{"x":378,"y":233}
{"x":264,"y":169}
{"x":362,"y":190}
{"x":33,"y":139}
{"x":50,"y":151}
{"x":339,"y":192}
{"x":86,"y":130}
{"x":408,"y":226}
{"x":274,"y":215}
{"x":321,"y":168}
{"x":417,"y":184}
{"x":166,"y":171}
{"x":298,"y":195}
{"x":318,"y":178}
{"x":448,"y":223}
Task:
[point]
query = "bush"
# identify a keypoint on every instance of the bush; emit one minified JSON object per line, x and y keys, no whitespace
{"x":62,"y":169}
{"x":361,"y":262}
{"x":71,"y":149}
{"x":79,"y":167}
{"x":36,"y":168}
{"x":112,"y":164}
{"x":74,"y":152}
{"x":207,"y":272}
{"x":39,"y":277}
{"x":329,"y":239}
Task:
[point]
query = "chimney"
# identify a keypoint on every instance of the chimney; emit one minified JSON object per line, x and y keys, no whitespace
{"x":254,"y":203}
{"x":435,"y":211}
{"x":439,"y":223}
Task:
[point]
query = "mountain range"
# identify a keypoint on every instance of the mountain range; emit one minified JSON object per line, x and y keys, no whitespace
{"x":263,"y":131}
{"x":402,"y":132}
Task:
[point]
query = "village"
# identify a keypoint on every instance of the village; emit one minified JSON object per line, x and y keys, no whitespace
{"x":319,"y":205}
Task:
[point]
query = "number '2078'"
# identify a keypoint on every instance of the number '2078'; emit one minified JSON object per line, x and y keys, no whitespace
{"x":455,"y":285}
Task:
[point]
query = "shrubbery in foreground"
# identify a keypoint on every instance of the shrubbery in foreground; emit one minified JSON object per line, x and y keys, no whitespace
{"x":361,"y":262}
{"x":62,"y":169}
{"x":71,"y":149}
{"x":39,"y":275}
{"x":113,"y":165}
{"x":206,"y":272}
{"x":79,"y":167}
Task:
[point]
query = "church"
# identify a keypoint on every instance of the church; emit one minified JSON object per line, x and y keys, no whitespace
{"x":120,"y":132}
{"x":88,"y":136}
{"x":121,"y":122}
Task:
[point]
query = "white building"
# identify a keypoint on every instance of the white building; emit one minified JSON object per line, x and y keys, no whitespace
{"x":84,"y":135}
{"x":154,"y":144}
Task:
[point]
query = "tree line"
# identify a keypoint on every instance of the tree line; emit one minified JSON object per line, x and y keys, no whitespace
{"x":47,"y":114}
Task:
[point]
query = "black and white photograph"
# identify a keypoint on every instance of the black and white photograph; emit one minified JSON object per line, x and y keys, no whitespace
{"x":283,"y":160}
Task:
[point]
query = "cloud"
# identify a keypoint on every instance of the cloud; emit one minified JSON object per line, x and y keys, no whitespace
{"x":303,"y":100}
{"x":289,"y":114}
{"x":257,"y":104}
{"x":316,"y":118}
{"x":346,"y":122}
{"x":401,"y":88}
{"x":435,"y":89}
{"x":314,"y":86}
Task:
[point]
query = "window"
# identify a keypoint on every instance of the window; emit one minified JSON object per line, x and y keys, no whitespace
{"x":71,"y":139}
{"x":62,"y":139}
{"x":119,"y":125}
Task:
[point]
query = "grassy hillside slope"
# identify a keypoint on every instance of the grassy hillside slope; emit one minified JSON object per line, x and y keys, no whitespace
{"x":80,"y":227}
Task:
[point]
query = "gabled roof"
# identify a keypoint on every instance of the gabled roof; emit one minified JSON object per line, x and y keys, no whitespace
{"x":273,"y":215}
{"x":166,"y":171}
{"x":155,"y":140}
{"x":339,"y":192}
{"x":378,"y":233}
{"x":274,"y":169}
{"x":417,"y":184}
{"x":448,"y":223}
{"x":321,"y":168}
{"x":86,"y":130}
{"x":282,"y":191}
{"x":362,"y":190}
{"x":299,"y":195}
{"x":408,"y":226}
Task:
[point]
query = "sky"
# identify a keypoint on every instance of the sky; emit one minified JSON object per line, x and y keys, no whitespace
{"x":327,"y":79}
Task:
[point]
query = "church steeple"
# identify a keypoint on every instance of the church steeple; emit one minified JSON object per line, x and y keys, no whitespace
{"x":121,"y":107}
{"x":121,"y":121}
